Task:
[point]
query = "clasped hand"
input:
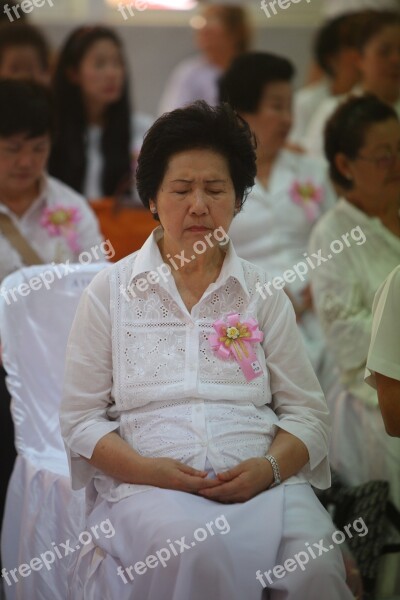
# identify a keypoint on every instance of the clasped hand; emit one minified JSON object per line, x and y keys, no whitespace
{"x":239,"y":484}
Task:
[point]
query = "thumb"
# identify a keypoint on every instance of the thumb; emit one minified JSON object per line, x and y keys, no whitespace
{"x":190,"y":471}
{"x":229,"y":474}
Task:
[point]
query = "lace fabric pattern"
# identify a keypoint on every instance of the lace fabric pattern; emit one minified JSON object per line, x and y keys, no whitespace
{"x":175,"y":397}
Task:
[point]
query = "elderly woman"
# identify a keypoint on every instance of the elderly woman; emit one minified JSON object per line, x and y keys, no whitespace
{"x":290,"y":194}
{"x":190,"y":407}
{"x":359,"y":241}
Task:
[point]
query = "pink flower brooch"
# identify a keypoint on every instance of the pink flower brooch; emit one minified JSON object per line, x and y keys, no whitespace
{"x":235,"y":339}
{"x":308,"y":196}
{"x":61,"y":221}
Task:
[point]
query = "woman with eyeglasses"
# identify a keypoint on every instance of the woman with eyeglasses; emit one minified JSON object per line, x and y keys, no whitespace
{"x":362,"y":145}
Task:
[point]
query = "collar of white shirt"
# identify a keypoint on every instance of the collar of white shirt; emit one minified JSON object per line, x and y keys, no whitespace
{"x":40,"y":199}
{"x":149,"y":258}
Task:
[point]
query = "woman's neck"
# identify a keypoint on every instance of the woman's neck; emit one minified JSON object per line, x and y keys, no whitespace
{"x":265,"y":163}
{"x":19,"y":203}
{"x":390,"y":97}
{"x":388,"y":213}
{"x":95,"y":113}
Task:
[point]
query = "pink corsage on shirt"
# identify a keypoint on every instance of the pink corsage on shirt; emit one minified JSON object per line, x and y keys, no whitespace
{"x":236,"y":339}
{"x":61,"y":221}
{"x":308,"y":196}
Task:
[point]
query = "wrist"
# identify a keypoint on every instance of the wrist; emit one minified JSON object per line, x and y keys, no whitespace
{"x":277,"y":479}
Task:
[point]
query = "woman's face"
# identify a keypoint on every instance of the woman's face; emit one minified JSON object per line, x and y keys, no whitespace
{"x":380,"y":64}
{"x":22,"y":163}
{"x":195,"y":198}
{"x":23,"y":62}
{"x":214,"y":37}
{"x":101,"y":73}
{"x":375,"y":172}
{"x":273,"y":119}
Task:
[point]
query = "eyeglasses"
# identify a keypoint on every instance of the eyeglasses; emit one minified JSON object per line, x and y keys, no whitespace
{"x":384,"y":161}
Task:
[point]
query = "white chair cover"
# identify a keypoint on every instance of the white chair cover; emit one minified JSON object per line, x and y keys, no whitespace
{"x":41,"y":510}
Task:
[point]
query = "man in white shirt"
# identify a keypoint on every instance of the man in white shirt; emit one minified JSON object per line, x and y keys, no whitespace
{"x":41,"y":219}
{"x":383,"y":363}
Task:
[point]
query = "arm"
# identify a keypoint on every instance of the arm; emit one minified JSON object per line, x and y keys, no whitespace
{"x":301,"y":442}
{"x":389,"y":402}
{"x":345,"y":317}
{"x":89,"y":433}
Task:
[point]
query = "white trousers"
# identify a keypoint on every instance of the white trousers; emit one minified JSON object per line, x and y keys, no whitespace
{"x":163,"y":548}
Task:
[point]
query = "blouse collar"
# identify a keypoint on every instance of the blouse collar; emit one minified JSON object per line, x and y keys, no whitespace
{"x":149,"y":258}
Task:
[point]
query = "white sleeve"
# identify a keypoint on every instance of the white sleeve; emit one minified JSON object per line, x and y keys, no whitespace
{"x":297,"y":398}
{"x":384,"y":352}
{"x":87,"y":402}
{"x":339,"y":300}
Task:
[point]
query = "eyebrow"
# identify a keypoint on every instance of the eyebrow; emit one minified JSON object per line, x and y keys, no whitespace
{"x":191,"y":181}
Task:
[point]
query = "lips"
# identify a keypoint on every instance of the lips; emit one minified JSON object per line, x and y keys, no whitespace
{"x":197,"y":229}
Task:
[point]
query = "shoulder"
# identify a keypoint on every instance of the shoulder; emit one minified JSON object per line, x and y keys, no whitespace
{"x":305,"y":164}
{"x":60,"y":192}
{"x":390,"y":289}
{"x":189,"y":66}
{"x":268,"y":298}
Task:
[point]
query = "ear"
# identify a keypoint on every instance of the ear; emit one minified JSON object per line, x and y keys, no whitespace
{"x":344,"y":166}
{"x":238,"y":203}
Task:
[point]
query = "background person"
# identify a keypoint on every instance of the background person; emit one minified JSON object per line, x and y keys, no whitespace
{"x":291,"y":190}
{"x":379,"y":64}
{"x":335,"y":53}
{"x":383,"y":362}
{"x":182,"y":412}
{"x":27,"y":196}
{"x":362,"y":146}
{"x":24,"y":53}
{"x":97,"y":137}
{"x":225,"y":34}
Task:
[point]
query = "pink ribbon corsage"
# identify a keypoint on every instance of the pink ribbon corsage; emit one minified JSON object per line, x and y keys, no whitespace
{"x":308,"y":196}
{"x":236,"y":339}
{"x":61,"y":221}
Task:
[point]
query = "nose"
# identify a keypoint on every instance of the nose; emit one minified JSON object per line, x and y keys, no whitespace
{"x":25,"y":159}
{"x":198,"y":204}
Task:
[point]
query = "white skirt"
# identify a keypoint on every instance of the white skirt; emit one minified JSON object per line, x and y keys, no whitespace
{"x":178,"y":546}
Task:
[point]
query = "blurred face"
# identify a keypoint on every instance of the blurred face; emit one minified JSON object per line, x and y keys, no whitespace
{"x":214,"y":38}
{"x":22,"y":163}
{"x":22,"y":62}
{"x":196,"y":197}
{"x":380,"y":64}
{"x":101,"y":73}
{"x":273,"y":119}
{"x":376,"y":170}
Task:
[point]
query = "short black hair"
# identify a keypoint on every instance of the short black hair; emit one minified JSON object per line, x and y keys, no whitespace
{"x":347,"y":128}
{"x":198,"y":126}
{"x":25,"y":107}
{"x":23,"y":34}
{"x":372,"y":23}
{"x":243,"y":84}
{"x":332,"y":37}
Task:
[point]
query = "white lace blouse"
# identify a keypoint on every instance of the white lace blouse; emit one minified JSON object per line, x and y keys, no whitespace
{"x":141,"y":363}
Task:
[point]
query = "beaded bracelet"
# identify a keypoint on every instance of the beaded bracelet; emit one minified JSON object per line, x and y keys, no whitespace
{"x":275,"y":470}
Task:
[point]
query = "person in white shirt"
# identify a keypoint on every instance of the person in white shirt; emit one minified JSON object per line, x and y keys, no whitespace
{"x":225,"y":33}
{"x":336,"y":55}
{"x":169,"y":425}
{"x":29,"y":201}
{"x":97,"y":138}
{"x":379,"y":64}
{"x":291,"y":190}
{"x":383,"y":362}
{"x":359,"y":240}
